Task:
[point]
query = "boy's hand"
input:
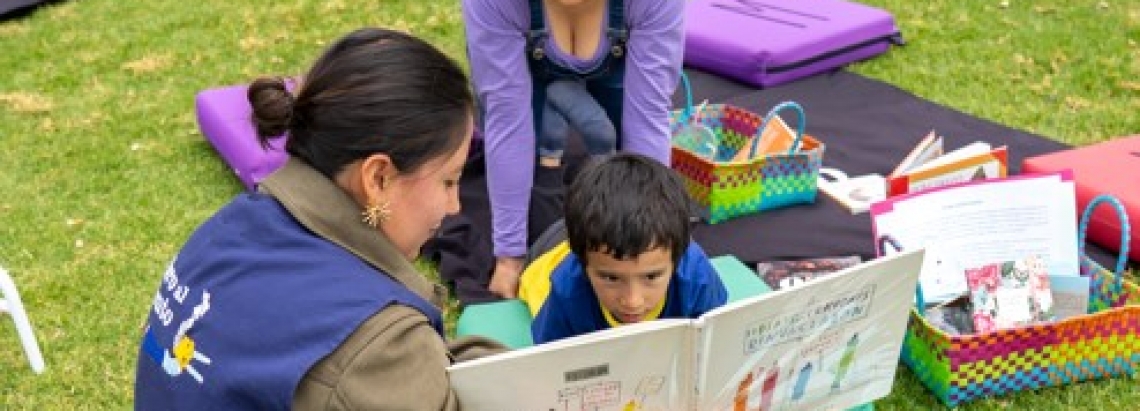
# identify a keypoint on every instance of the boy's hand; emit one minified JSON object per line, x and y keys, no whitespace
{"x":505,"y":279}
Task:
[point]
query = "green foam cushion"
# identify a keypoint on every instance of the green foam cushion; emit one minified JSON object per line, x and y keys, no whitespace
{"x":506,"y":321}
{"x":740,"y":281}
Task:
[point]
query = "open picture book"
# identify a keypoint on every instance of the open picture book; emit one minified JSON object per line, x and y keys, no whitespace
{"x":929,"y":165}
{"x":830,"y":343}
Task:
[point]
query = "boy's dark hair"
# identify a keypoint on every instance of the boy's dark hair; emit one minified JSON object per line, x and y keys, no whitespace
{"x":626,"y":204}
{"x":372,"y":91}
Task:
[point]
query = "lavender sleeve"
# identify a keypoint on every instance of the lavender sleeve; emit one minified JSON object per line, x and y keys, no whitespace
{"x":496,"y":47}
{"x":653,"y":68}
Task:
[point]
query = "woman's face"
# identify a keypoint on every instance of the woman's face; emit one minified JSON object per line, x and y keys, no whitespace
{"x":420,"y":200}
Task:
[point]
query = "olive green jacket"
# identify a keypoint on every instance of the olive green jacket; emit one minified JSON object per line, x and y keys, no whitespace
{"x":395,"y":360}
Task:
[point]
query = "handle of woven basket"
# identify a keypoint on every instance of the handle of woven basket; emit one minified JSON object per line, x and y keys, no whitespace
{"x":687,"y":112}
{"x":886,"y":240}
{"x":768,"y":120}
{"x":1122,"y":258}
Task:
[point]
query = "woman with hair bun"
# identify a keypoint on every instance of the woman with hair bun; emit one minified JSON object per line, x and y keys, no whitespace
{"x":303,"y":295}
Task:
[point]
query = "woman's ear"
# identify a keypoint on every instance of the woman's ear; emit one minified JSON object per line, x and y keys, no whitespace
{"x":376,"y":174}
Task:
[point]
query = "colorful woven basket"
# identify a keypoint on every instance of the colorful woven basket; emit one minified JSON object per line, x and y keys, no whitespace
{"x":1104,"y":343}
{"x":728,"y":189}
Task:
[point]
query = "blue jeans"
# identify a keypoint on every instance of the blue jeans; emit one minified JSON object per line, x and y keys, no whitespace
{"x":570,"y":106}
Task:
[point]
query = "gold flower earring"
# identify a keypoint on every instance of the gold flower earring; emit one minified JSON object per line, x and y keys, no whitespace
{"x":375,"y":214}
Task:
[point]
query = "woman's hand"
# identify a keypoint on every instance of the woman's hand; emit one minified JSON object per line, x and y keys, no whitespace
{"x":505,"y":278}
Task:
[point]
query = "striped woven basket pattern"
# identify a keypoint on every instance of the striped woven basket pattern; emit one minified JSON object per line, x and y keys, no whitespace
{"x":1102,"y":344}
{"x":732,"y":189}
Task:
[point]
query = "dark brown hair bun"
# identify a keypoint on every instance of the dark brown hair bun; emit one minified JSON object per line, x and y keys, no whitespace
{"x":272,"y":105}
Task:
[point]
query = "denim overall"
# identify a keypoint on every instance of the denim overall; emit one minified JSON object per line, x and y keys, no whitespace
{"x":604,"y":80}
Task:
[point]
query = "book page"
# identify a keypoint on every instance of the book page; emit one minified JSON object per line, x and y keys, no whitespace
{"x":645,"y":366}
{"x":830,"y":343}
{"x":981,"y":167}
{"x":970,"y":150}
{"x":929,"y":148}
{"x":983,"y":222}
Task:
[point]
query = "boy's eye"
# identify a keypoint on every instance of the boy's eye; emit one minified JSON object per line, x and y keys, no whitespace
{"x":450,"y":183}
{"x":653,"y":277}
{"x":609,"y":278}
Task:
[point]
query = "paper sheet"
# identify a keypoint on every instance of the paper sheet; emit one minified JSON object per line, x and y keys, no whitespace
{"x":984,"y":222}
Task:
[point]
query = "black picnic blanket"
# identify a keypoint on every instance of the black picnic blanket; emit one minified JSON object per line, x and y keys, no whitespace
{"x":17,"y":8}
{"x":867,"y":125}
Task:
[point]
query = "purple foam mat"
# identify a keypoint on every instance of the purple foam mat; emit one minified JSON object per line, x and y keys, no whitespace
{"x":224,"y":119}
{"x":770,"y":42}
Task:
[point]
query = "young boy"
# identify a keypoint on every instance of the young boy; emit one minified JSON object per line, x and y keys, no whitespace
{"x":628,"y":256}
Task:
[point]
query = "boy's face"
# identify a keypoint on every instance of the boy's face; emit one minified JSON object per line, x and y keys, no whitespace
{"x":630,"y":289}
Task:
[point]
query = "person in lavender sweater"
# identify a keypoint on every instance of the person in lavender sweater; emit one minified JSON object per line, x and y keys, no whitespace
{"x":627,"y":52}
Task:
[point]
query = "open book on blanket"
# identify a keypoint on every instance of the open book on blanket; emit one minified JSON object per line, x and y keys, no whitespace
{"x":929,"y":165}
{"x":831,"y":343}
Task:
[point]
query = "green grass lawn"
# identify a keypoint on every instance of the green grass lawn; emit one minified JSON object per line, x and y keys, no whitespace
{"x":105,"y":173}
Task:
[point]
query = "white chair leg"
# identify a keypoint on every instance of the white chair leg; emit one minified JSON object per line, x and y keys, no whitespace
{"x":23,"y":327}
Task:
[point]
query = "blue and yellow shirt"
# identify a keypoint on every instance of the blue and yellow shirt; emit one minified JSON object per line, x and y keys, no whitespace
{"x":558,"y":294}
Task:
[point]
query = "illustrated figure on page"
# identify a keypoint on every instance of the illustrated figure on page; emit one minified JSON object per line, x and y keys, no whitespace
{"x":565,"y":396}
{"x":648,"y":386}
{"x":740,"y":401}
{"x":768,"y":388}
{"x":845,"y":361}
{"x":631,"y":406}
{"x":979,"y":174}
{"x":802,"y":382}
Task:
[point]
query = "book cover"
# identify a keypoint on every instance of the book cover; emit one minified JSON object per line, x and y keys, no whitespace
{"x":831,"y":343}
{"x":1010,"y":294}
{"x":782,"y":274}
{"x":971,"y":163}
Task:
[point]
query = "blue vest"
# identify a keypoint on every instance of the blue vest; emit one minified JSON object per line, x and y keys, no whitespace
{"x":251,"y":302}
